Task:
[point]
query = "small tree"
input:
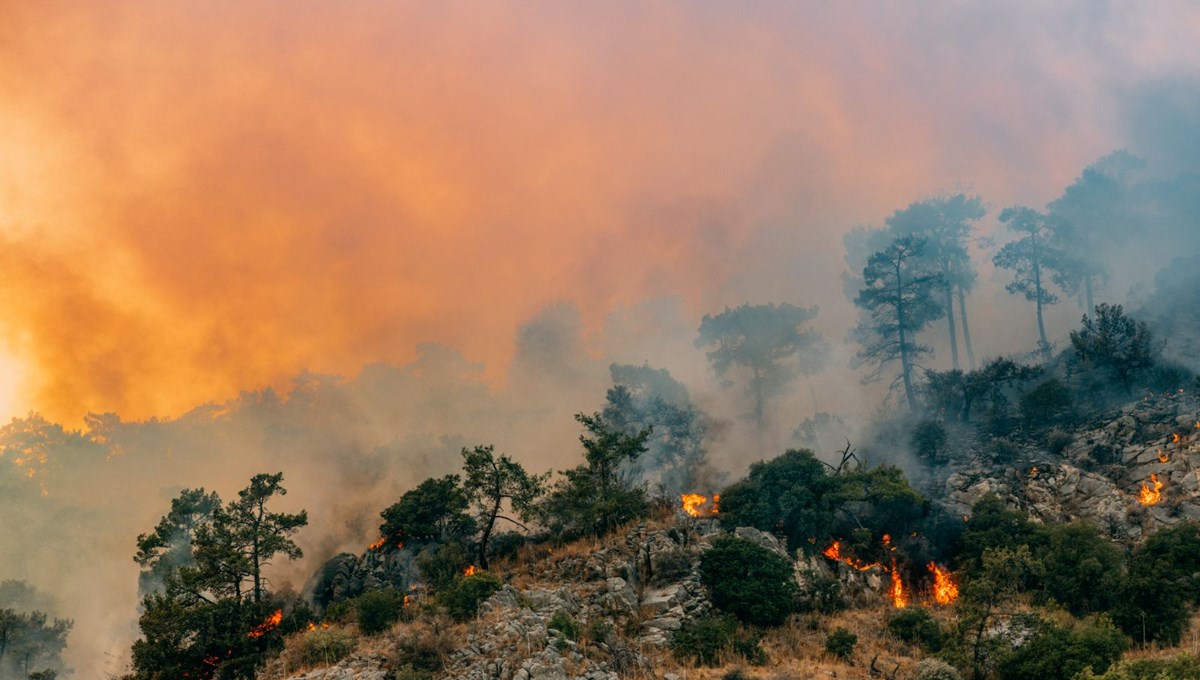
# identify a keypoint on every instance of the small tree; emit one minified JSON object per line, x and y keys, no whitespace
{"x":163,"y":551}
{"x":593,"y":499}
{"x":1115,"y":342}
{"x":1033,"y":259}
{"x":489,"y":481}
{"x":263,"y":534}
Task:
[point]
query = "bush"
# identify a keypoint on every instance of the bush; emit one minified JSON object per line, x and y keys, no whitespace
{"x":915,"y":626}
{"x":1057,"y":440}
{"x":928,"y":441}
{"x":600,"y":630}
{"x":462,"y":599}
{"x":1057,"y":653}
{"x":840,"y":643}
{"x":424,"y":652}
{"x":377,"y":610}
{"x":1082,"y":568}
{"x":505,"y":544}
{"x":749,"y":581}
{"x":1182,"y":667}
{"x":1047,"y":403}
{"x":326,"y":646}
{"x":565,"y":625}
{"x":441,"y":565}
{"x":702,"y":642}
{"x":935,"y":669}
{"x":670,"y":566}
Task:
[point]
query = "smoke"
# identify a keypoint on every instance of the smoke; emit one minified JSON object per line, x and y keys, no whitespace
{"x":363,"y":236}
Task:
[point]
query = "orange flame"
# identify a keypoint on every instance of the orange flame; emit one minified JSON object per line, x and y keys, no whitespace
{"x":945,"y":590}
{"x":378,"y":544}
{"x":267,"y":626}
{"x":313,"y":626}
{"x":693,"y":503}
{"x":407,"y":600}
{"x":1176,"y":438}
{"x":1033,"y":472}
{"x":1163,"y":457}
{"x":470,"y":570}
{"x":899,"y":599}
{"x":1148,"y":497}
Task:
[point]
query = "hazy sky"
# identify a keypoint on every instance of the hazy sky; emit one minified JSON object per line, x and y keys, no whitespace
{"x":202,"y":197}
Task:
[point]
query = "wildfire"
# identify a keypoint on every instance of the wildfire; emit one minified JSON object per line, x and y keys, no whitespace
{"x":1148,"y":497}
{"x":1176,"y":438}
{"x":834,"y":552}
{"x":271,"y":623}
{"x":945,"y":590}
{"x":694,"y":502}
{"x":470,"y":570}
{"x":899,"y":599}
{"x":1163,"y":456}
{"x":407,"y":600}
{"x":378,"y":544}
{"x":313,"y":626}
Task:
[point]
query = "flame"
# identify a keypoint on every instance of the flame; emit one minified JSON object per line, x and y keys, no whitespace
{"x":1033,"y":472}
{"x":407,"y":600}
{"x":470,"y":571}
{"x":267,"y":626}
{"x":716,"y":508}
{"x":945,"y":590}
{"x":1176,"y":438}
{"x":313,"y":626}
{"x":834,"y":552}
{"x":692,"y":503}
{"x":1148,"y":497}
{"x":899,"y":599}
{"x":1163,"y":457}
{"x":378,"y":544}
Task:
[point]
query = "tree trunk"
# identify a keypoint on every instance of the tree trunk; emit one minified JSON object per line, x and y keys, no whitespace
{"x":962,"y":314}
{"x":905,"y":370}
{"x":950,"y":326}
{"x":487,"y":534}
{"x":1044,"y":346}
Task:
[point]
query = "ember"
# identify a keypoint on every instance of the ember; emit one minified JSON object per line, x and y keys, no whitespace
{"x":945,"y":590}
{"x":267,"y":626}
{"x":1151,"y":497}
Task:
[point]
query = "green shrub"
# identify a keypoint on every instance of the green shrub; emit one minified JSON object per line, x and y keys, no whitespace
{"x":1058,"y":653}
{"x":564,"y":624}
{"x":935,"y":669}
{"x":424,"y":652}
{"x":915,"y":626}
{"x":749,"y":581}
{"x":600,"y":630}
{"x":326,"y":646}
{"x":840,"y":643}
{"x":441,"y":565}
{"x":1158,"y":587}
{"x":702,"y":642}
{"x":505,"y":544}
{"x":928,"y":441}
{"x":1182,"y":667}
{"x":1047,"y":403}
{"x":462,"y":599}
{"x":1057,"y":440}
{"x":1082,"y":569}
{"x":670,"y":566}
{"x":377,"y":610}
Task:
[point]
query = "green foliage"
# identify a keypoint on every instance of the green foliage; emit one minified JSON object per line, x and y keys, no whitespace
{"x":30,"y":641}
{"x":670,"y":566}
{"x":441,"y":565}
{"x":1048,"y":403}
{"x":162,"y":552}
{"x":992,"y":526}
{"x":462,"y":599}
{"x":1033,"y":259}
{"x":433,"y":511}
{"x":326,"y":645}
{"x":957,"y":395}
{"x":600,"y":630}
{"x":1160,"y":584}
{"x":915,"y":626}
{"x":1115,"y":343}
{"x":563,"y":623}
{"x":424,"y":652}
{"x":897,"y":302}
{"x":928,"y":441}
{"x":489,"y":481}
{"x":377,"y":610}
{"x":595,"y":498}
{"x":505,"y":544}
{"x":1182,"y":667}
{"x":182,"y":638}
{"x":841,"y":642}
{"x":749,"y":581}
{"x":1081,"y":569}
{"x":1060,"y":653}
{"x":935,"y":669}
{"x":704,"y":641}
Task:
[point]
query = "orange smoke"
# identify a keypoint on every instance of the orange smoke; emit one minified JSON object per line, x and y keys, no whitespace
{"x":271,"y":623}
{"x":1148,"y":496}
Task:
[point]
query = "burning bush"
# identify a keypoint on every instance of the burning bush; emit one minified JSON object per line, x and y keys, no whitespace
{"x":749,"y":581}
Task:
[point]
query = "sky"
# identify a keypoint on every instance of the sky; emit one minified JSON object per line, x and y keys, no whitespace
{"x":198,"y":198}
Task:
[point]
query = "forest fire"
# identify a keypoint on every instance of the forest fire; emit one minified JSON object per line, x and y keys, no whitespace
{"x":945,"y":590}
{"x":1163,"y":456}
{"x":271,"y":623}
{"x":1151,"y":497}
{"x":471,"y":570}
{"x":834,"y":552}
{"x":378,"y":544}
{"x":313,"y":626}
{"x":899,"y":599}
{"x":693,"y":504}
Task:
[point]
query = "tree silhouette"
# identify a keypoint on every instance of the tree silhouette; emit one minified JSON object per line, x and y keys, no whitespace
{"x":1034,"y":260}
